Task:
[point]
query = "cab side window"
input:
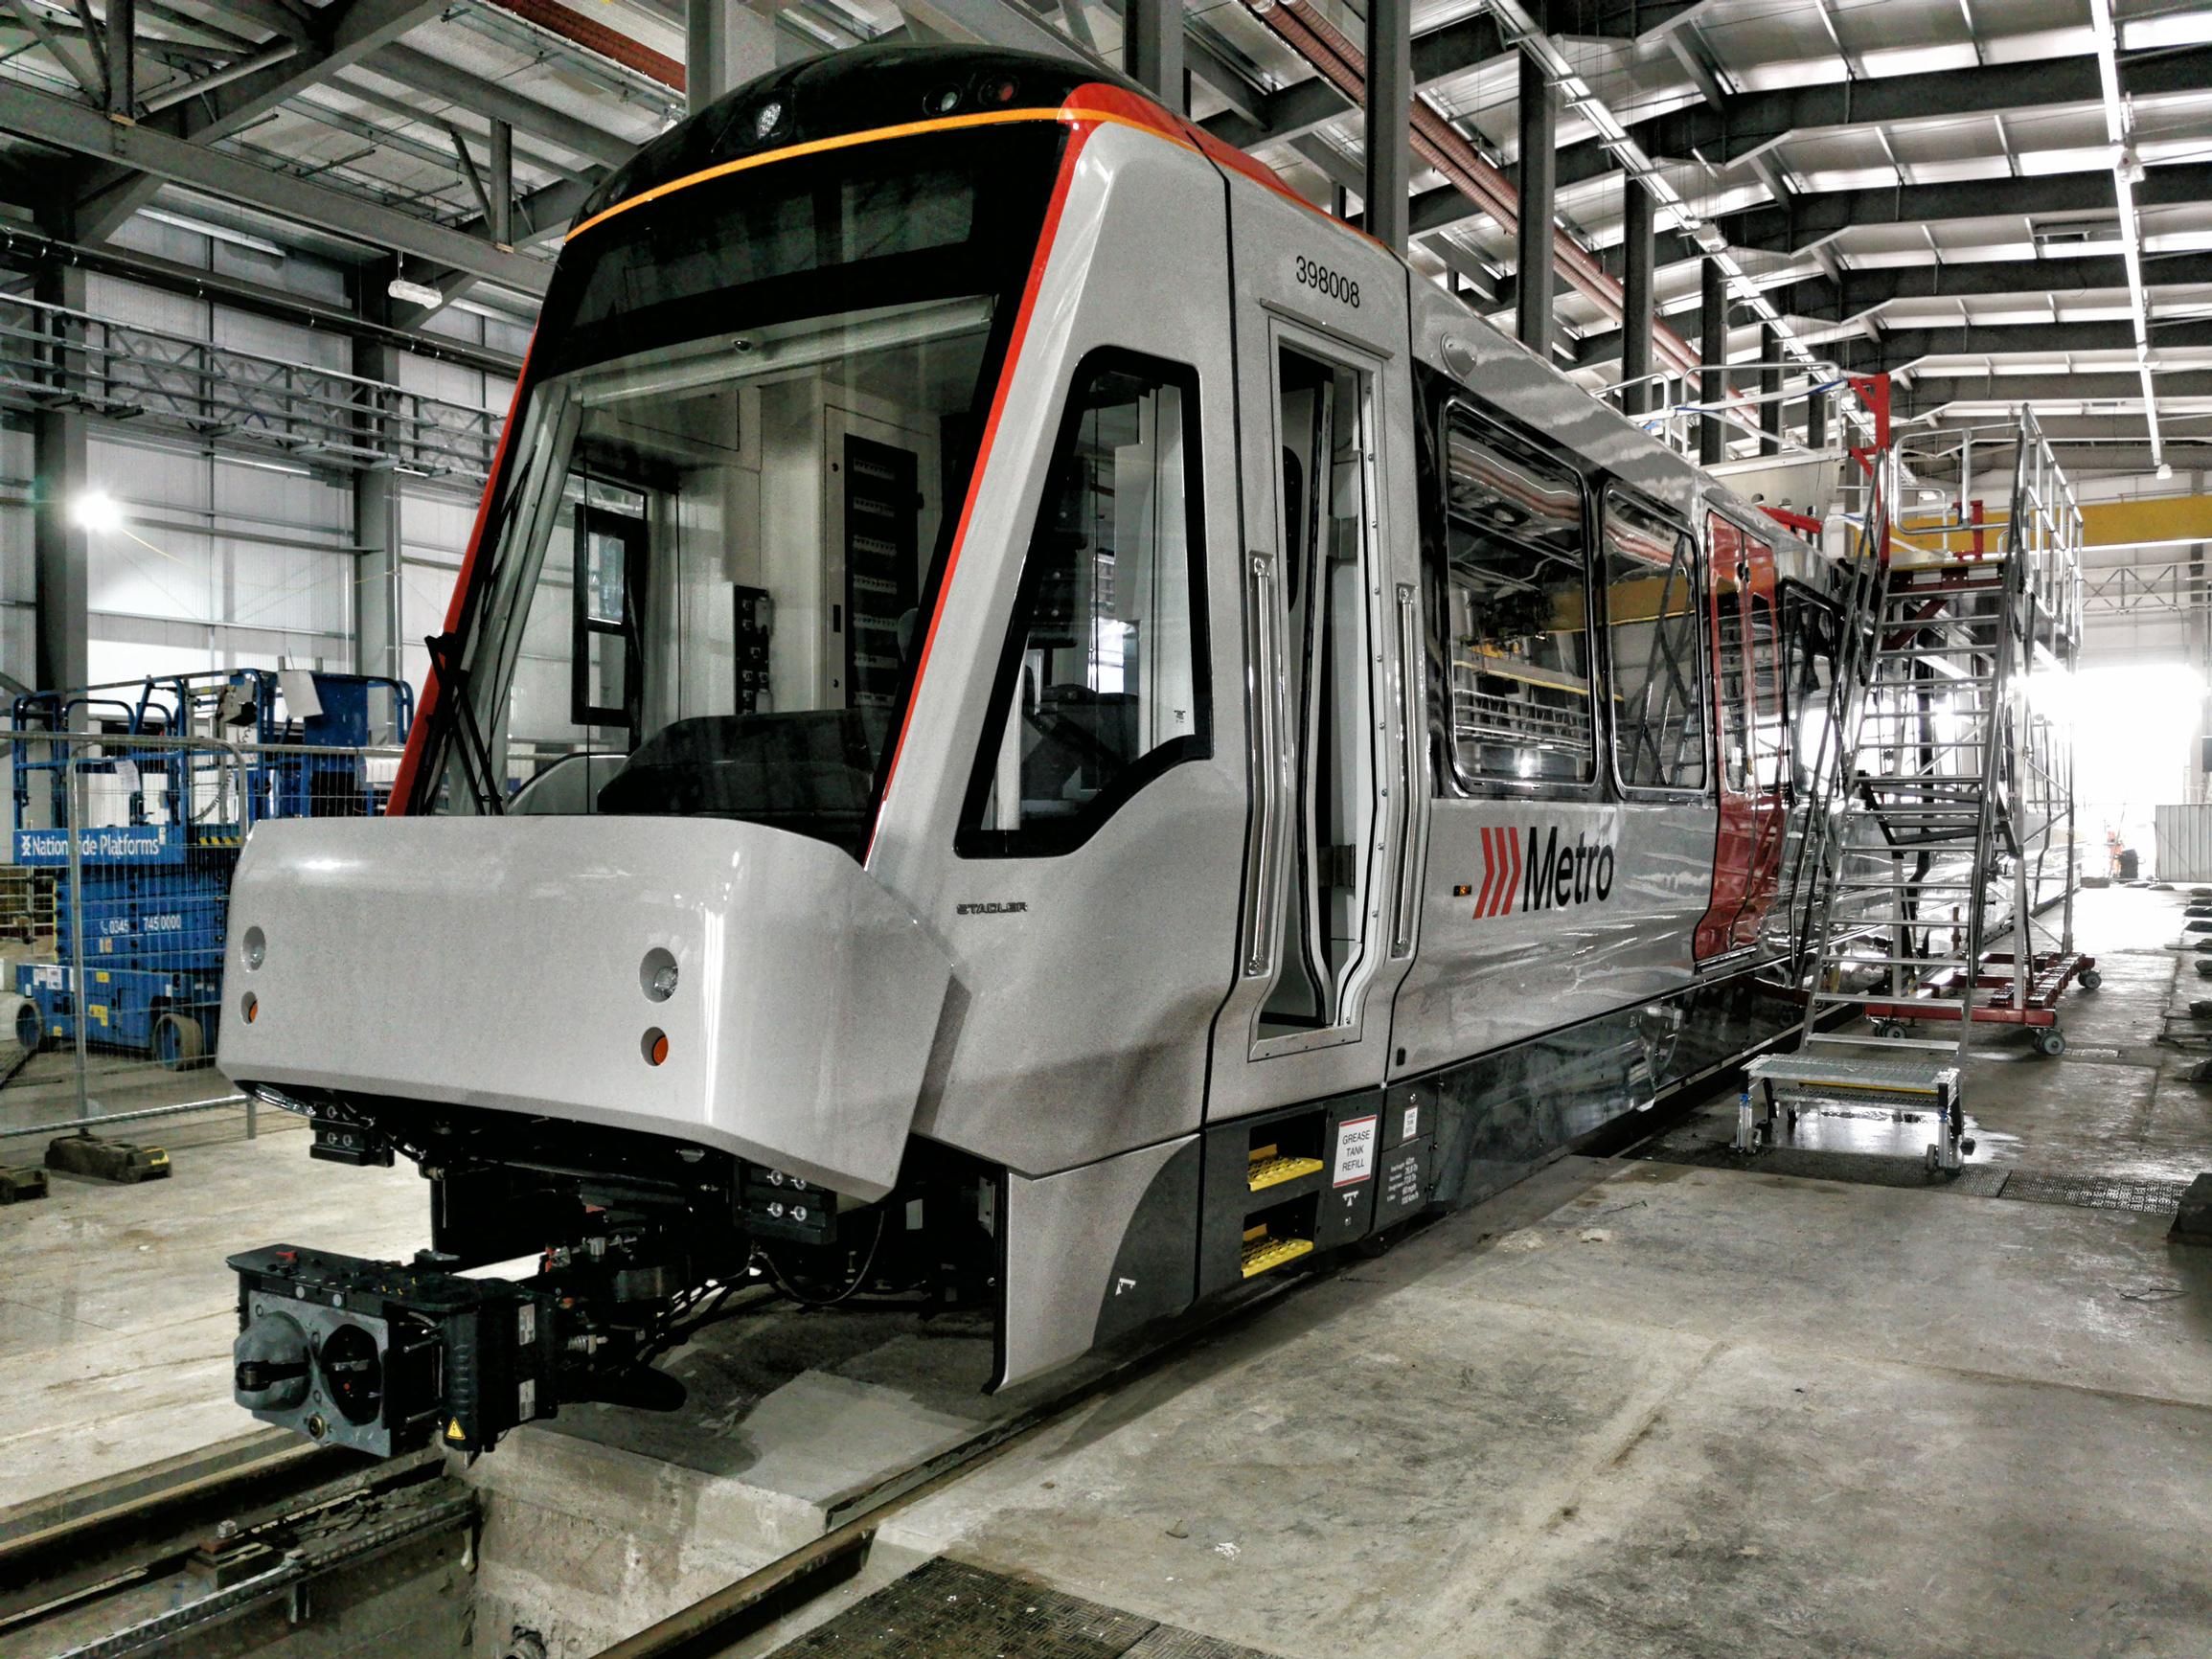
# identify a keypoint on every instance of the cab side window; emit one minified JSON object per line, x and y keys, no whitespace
{"x":1656,"y":646}
{"x":1102,"y":683}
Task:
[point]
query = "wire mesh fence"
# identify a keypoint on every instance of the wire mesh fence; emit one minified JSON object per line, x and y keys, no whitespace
{"x":115,"y":904}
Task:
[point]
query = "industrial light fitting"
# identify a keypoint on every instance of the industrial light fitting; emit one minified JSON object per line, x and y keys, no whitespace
{"x":415,"y":293}
{"x":97,"y":510}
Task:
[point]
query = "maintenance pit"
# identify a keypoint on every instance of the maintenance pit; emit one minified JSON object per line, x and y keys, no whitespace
{"x":1669,"y":1401}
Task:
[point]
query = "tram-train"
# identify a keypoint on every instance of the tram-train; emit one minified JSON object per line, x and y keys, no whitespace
{"x":1029,"y":718}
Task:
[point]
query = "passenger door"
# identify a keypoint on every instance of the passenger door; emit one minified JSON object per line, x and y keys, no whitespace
{"x":1331,"y":646}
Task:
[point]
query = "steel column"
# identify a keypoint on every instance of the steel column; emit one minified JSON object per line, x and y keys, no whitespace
{"x":1713,"y":384}
{"x":123,"y":59}
{"x":60,"y":466}
{"x":1389,"y":132}
{"x":1636,"y":307}
{"x":1538,"y":158}
{"x":1770,"y":390}
{"x":378,"y":625}
{"x":501,"y":185}
{"x":725,"y":44}
{"x":1816,"y":420}
{"x":1153,"y":50}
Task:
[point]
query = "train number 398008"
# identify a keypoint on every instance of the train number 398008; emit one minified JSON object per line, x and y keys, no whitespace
{"x":1335,"y":284}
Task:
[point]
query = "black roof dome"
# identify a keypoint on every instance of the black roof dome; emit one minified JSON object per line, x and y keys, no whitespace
{"x":846,"y":92}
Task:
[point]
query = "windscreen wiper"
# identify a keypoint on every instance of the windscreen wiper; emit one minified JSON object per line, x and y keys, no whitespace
{"x":475,"y":753}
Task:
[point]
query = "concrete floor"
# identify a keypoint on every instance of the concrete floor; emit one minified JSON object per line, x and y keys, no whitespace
{"x":117,"y":1312}
{"x":1628,"y":1408}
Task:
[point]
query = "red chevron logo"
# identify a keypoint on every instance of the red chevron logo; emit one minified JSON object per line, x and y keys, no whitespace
{"x":1502,"y":870}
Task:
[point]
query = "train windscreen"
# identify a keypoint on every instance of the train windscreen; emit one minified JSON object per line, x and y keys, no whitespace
{"x":753,"y":414}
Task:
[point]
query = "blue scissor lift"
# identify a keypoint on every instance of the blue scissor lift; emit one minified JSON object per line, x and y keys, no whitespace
{"x":155,"y":887}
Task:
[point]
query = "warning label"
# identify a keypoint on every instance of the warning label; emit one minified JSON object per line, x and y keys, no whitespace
{"x":1412,"y":1129}
{"x":1402,"y":1183}
{"x":1356,"y":1149}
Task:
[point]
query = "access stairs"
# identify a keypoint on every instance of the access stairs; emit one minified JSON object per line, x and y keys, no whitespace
{"x":1947,"y":824}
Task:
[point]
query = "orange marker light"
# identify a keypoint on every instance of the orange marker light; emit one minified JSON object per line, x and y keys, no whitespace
{"x":251,"y":1006}
{"x":655,"y":1046}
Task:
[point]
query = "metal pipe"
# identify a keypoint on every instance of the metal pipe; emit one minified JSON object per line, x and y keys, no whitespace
{"x":1712,"y":444}
{"x":75,"y":797}
{"x":70,"y":1125}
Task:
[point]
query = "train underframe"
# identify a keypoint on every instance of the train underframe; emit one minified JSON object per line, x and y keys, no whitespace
{"x":631,"y":1243}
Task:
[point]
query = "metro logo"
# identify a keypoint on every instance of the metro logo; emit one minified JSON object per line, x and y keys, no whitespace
{"x":1546,"y":874}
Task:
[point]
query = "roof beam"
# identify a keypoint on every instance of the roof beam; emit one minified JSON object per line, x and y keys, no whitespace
{"x":72,"y":126}
{"x":1442,"y":53}
{"x":1902,"y":347}
{"x":1747,"y":123}
{"x":1864,"y":294}
{"x":343,"y":33}
{"x":1811,"y":220}
{"x":2115,"y":389}
{"x":426,"y":74}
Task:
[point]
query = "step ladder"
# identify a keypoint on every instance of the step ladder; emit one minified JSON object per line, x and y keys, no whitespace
{"x":1936,"y":838}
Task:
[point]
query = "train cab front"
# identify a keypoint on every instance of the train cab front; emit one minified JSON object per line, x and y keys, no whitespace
{"x":625,"y":973}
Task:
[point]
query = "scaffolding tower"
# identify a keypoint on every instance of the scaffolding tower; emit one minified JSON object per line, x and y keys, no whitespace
{"x":1943,"y":862}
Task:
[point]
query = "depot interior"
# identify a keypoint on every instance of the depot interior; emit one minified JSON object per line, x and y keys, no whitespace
{"x":268,"y":273}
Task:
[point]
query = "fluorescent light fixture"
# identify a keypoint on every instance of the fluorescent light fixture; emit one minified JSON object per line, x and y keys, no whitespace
{"x":271,"y":466}
{"x":2165,"y":470}
{"x":97,"y":510}
{"x":415,"y":293}
{"x":215,"y":233}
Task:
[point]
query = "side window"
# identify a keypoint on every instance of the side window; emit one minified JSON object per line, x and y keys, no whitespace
{"x":1102,"y":683}
{"x":1770,"y":756}
{"x":1809,"y":673}
{"x":1656,"y":648}
{"x":1725,"y":578}
{"x":1516,"y":633}
{"x":610,"y":545}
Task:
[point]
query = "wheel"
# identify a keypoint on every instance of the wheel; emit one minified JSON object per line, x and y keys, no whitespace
{"x":1934,"y":1159}
{"x":2051,"y":1041}
{"x":178,"y":1042}
{"x":1888,"y":1028}
{"x":2088,"y":979}
{"x":30,"y":1028}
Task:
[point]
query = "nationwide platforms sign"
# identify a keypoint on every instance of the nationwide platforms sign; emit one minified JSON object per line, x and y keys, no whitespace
{"x":102,"y":844}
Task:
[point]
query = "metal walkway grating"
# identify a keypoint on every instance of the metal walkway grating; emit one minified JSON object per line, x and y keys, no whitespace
{"x":945,"y":1609}
{"x":2142,"y":1194}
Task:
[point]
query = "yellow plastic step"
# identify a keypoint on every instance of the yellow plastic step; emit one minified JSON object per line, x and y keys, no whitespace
{"x":1273,"y":1170}
{"x":1263,"y":1253}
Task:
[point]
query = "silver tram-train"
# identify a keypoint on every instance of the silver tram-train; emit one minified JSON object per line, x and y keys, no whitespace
{"x":1028,"y":716}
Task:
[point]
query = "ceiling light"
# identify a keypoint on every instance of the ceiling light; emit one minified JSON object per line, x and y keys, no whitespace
{"x":97,"y":510}
{"x":2165,"y":470}
{"x":414,"y":293}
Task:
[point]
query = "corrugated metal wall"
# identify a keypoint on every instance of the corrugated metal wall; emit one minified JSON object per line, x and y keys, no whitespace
{"x":2183,"y":837}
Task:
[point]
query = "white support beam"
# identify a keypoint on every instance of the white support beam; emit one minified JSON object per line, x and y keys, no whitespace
{"x":2127,"y":169}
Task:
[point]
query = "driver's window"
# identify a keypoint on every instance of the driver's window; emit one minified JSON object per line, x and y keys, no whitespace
{"x":1101,"y":684}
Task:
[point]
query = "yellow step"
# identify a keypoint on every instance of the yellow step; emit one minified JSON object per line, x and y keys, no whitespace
{"x":1275,"y":1172}
{"x":1261,"y":1254}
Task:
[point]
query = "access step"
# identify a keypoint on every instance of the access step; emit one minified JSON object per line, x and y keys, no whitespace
{"x":1263,"y":1253}
{"x":1271,"y":1168}
{"x":1904,"y":1079}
